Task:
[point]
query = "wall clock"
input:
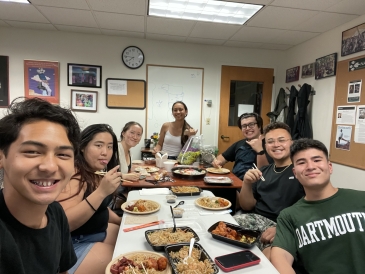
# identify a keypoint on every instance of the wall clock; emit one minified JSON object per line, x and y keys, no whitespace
{"x":133,"y":57}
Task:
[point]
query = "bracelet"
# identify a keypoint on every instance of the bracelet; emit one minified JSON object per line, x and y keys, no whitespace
{"x":90,"y":204}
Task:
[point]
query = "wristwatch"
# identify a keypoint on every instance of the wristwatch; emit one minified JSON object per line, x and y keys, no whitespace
{"x":262,"y":152}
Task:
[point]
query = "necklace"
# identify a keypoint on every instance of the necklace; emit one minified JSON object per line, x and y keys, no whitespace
{"x":274,"y":166}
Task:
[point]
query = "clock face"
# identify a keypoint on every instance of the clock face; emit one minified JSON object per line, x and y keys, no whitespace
{"x":133,"y":57}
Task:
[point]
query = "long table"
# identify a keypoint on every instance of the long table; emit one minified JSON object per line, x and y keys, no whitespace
{"x":224,"y":191}
{"x":198,"y":219}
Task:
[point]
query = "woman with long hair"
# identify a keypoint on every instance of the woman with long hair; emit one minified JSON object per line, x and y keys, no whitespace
{"x":173,"y":135}
{"x":85,"y":199}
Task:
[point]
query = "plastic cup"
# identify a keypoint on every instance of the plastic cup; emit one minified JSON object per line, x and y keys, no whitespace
{"x":168,"y":165}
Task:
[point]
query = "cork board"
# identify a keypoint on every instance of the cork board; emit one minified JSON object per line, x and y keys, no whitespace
{"x":125,"y":93}
{"x":352,"y":155}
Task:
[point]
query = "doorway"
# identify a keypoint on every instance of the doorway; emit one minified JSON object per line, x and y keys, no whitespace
{"x":243,"y":89}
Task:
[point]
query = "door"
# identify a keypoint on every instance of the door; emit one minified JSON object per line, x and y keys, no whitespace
{"x":243,"y":89}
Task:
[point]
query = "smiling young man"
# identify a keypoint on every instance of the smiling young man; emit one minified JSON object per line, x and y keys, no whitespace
{"x":248,"y":150}
{"x":37,"y":145}
{"x":324,"y":231}
{"x":265,"y":199}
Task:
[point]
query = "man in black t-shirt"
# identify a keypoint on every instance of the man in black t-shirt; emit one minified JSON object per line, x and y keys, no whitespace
{"x":279,"y":189}
{"x":248,"y":150}
{"x":37,"y":145}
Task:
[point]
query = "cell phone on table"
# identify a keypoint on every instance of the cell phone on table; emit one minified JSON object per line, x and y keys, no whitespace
{"x":237,"y":260}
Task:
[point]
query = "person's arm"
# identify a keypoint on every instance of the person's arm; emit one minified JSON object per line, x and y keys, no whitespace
{"x":114,"y":218}
{"x":282,"y":260}
{"x":246,"y":197}
{"x":257,"y":146}
{"x":219,"y":161}
{"x":131,"y":176}
{"x":161,"y":139}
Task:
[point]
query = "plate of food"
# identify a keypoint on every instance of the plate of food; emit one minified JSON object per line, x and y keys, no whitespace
{"x":234,"y":234}
{"x":218,"y":180}
{"x":213,"y":203}
{"x":141,"y":207}
{"x":149,"y":169}
{"x":137,"y":162}
{"x":200,"y":261}
{"x":186,"y":190}
{"x":188,"y":172}
{"x":139,"y":262}
{"x":218,"y":170}
{"x":159,"y":238}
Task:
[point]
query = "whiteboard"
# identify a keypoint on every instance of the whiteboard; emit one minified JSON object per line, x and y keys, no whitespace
{"x":166,"y":85}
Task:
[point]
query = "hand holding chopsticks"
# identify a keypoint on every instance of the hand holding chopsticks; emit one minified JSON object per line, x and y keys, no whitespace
{"x":261,"y":177}
{"x":102,"y":173}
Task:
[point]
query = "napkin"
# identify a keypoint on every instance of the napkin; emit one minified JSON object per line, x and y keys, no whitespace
{"x":160,"y":159}
{"x":154,"y":191}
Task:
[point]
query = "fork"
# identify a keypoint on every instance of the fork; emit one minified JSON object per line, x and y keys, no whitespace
{"x":192,"y":241}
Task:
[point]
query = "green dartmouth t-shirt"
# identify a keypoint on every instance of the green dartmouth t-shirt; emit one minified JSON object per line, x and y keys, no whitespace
{"x":327,"y":236}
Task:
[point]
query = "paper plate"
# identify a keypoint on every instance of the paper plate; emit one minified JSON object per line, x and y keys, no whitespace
{"x":150,"y":169}
{"x":202,"y":203}
{"x":218,"y":170}
{"x":126,"y":204}
{"x":146,"y":254}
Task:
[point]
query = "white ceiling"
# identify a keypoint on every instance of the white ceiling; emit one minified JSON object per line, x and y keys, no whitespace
{"x":281,"y":24}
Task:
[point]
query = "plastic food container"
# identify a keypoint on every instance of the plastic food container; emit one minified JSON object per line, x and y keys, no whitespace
{"x":149,"y":161}
{"x":171,"y":198}
{"x":178,"y":212}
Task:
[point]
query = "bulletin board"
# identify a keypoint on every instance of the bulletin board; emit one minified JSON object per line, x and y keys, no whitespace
{"x":166,"y":85}
{"x":125,"y":93}
{"x":348,"y":132}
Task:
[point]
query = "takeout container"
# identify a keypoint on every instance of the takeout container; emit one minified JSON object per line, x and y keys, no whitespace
{"x":149,"y":161}
{"x":168,"y":165}
{"x":178,"y":212}
{"x":197,"y":193}
{"x":162,"y":247}
{"x":160,"y":159}
{"x":246,"y":232}
{"x":171,"y":198}
{"x":203,"y":255}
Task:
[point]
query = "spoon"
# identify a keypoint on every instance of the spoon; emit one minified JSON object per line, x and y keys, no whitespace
{"x":173,"y":218}
{"x":192,"y":241}
{"x":180,"y":203}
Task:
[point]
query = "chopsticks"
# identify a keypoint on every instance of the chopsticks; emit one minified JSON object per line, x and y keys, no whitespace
{"x":261,"y":177}
{"x":143,"y":226}
{"x":102,"y":173}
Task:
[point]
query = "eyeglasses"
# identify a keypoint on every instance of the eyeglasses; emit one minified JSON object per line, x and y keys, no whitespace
{"x":250,"y":125}
{"x":281,"y":141}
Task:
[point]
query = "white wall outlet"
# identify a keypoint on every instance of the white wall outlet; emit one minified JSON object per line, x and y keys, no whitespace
{"x":207,"y":121}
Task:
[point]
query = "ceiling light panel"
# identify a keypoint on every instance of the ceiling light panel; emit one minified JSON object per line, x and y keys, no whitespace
{"x":16,"y":1}
{"x":204,"y":10}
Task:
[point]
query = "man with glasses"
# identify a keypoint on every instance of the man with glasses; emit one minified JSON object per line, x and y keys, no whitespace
{"x":279,"y":189}
{"x":246,"y":151}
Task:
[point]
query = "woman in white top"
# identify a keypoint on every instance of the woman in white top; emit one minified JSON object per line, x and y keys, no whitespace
{"x":131,"y":135}
{"x":173,"y":135}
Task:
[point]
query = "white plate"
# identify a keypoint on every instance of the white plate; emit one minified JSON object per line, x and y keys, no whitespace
{"x":150,"y":169}
{"x":199,"y":200}
{"x":158,"y":206}
{"x":218,"y":170}
{"x":148,"y":254}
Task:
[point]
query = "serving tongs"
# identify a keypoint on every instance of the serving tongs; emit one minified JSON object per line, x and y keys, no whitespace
{"x":173,"y":218}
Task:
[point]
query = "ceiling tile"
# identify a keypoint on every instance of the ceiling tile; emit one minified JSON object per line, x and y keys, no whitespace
{"x":205,"y":41}
{"x":252,"y":34}
{"x":165,"y":37}
{"x":275,"y":46}
{"x":213,"y":30}
{"x":325,"y":21}
{"x":242,"y":44}
{"x":117,"y":21}
{"x":71,"y":4}
{"x":78,"y":29}
{"x":3,"y":24}
{"x":257,"y":2}
{"x":20,"y":12}
{"x":136,"y":7}
{"x":355,"y":7}
{"x":307,"y":4}
{"x":169,"y":26}
{"x":29,"y":25}
{"x":61,"y":16}
{"x":123,"y":33}
{"x":292,"y":37}
{"x":280,"y":18}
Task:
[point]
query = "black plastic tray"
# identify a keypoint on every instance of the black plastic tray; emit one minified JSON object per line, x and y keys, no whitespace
{"x":176,"y":247}
{"x":240,"y":230}
{"x":161,"y":247}
{"x":187,"y":193}
{"x":188,"y":177}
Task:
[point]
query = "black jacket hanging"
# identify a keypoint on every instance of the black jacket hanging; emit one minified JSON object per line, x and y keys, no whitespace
{"x":291,"y":109}
{"x":279,"y":106}
{"x":302,"y":125}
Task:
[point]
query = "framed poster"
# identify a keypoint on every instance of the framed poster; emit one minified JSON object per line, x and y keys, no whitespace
{"x":42,"y":79}
{"x":79,"y":75}
{"x":83,"y":100}
{"x":353,"y":40}
{"x":292,"y":74}
{"x":326,"y":66}
{"x":308,"y":70}
{"x":4,"y":81}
